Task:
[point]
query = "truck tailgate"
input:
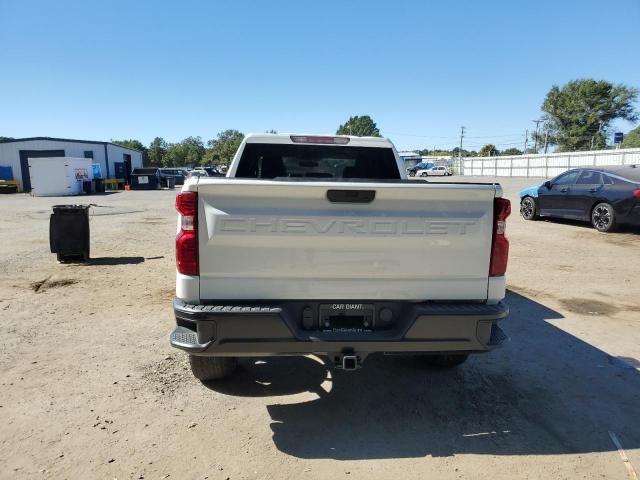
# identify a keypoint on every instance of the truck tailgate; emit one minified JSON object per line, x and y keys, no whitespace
{"x":266,"y":240}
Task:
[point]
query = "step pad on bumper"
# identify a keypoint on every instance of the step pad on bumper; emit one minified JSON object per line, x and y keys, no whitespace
{"x":186,"y":339}
{"x":225,"y":309}
{"x":498,"y":337}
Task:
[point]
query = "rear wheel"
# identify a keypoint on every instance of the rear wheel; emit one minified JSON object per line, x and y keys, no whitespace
{"x":603,"y":217}
{"x":211,"y":368}
{"x":447,"y":360}
{"x":528,"y":209}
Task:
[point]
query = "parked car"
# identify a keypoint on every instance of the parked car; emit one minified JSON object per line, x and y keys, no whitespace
{"x":315,"y":244}
{"x":606,"y":197}
{"x":198,"y":172}
{"x":440,"y":171}
{"x":178,"y":173}
{"x":420,"y":166}
{"x":213,"y":172}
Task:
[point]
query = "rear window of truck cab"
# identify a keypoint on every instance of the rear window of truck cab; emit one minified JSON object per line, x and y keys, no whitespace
{"x":267,"y":160}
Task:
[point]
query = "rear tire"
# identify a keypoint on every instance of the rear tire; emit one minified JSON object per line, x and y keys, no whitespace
{"x":528,"y":209}
{"x":211,"y":368}
{"x":603,"y":217}
{"x":447,"y":360}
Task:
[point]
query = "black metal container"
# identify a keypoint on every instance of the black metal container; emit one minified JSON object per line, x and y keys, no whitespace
{"x":69,"y":232}
{"x":145,"y":179}
{"x":100,"y":186}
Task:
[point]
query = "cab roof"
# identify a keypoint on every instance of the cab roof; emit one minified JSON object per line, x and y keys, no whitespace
{"x":318,"y":139}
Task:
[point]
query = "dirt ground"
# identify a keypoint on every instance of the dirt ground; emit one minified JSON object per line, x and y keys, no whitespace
{"x":90,"y":388}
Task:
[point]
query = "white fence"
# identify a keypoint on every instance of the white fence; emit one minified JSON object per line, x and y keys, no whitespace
{"x":547,"y":165}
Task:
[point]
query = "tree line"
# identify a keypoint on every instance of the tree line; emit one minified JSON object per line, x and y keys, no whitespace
{"x":191,"y":152}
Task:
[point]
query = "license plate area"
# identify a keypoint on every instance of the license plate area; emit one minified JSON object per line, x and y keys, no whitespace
{"x":346,"y":317}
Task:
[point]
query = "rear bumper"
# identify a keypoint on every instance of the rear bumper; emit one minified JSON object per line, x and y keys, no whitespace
{"x":632,"y":217}
{"x":278,"y":328}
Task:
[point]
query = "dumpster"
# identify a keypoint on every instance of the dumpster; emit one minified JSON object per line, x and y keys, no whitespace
{"x":145,"y":179}
{"x":69,"y":232}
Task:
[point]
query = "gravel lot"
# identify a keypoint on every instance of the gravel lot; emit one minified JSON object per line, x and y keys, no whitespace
{"x":91,"y":389}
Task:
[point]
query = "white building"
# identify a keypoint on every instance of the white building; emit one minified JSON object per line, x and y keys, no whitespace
{"x":409,"y":158}
{"x":115,"y":161}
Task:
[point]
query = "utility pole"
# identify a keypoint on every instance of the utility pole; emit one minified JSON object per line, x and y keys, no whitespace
{"x":535,"y":147}
{"x":526,"y":140}
{"x":597,"y":134}
{"x":546,"y":139}
{"x":461,"y":169}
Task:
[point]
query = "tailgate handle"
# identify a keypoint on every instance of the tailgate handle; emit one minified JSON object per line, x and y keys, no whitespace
{"x":351,"y":196}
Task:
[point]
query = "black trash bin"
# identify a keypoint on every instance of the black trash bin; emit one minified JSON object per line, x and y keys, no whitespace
{"x":100,"y":186}
{"x":86,"y":187}
{"x":69,"y":232}
{"x":171,"y":182}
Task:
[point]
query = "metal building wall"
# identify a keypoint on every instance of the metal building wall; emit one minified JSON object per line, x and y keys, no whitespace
{"x":116,"y":154}
{"x":10,"y":153}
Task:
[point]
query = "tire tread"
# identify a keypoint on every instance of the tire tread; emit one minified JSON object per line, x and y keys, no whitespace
{"x":211,"y":368}
{"x":447,"y":360}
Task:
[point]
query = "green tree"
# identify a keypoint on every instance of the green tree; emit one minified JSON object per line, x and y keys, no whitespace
{"x":488,"y":150}
{"x":511,"y":151}
{"x":632,"y":139}
{"x":187,"y":153}
{"x":363,"y":126}
{"x":224,"y":146}
{"x":5,"y":138}
{"x":425,"y":152}
{"x":156,"y":152}
{"x":194,"y":150}
{"x":174,"y":156}
{"x":135,"y":145}
{"x":578,"y":115}
{"x":465,"y":153}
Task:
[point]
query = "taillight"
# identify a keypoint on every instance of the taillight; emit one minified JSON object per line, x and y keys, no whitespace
{"x":499,"y":244}
{"x":187,"y":238}
{"x":636,"y":193}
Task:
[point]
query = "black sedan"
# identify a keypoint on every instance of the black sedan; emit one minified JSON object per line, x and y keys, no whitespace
{"x":604,"y":196}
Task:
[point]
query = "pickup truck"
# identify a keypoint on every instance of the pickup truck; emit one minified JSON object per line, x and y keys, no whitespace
{"x":320,"y":245}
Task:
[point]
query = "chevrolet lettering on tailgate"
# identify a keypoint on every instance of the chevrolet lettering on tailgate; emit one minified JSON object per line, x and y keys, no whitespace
{"x":249,"y":225}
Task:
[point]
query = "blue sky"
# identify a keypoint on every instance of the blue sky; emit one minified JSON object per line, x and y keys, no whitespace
{"x":102,"y":70}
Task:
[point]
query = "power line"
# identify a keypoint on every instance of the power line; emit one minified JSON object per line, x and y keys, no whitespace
{"x":535,"y":147}
{"x":435,"y":136}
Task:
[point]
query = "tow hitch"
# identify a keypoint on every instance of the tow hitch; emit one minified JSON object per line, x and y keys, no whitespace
{"x":347,"y":361}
